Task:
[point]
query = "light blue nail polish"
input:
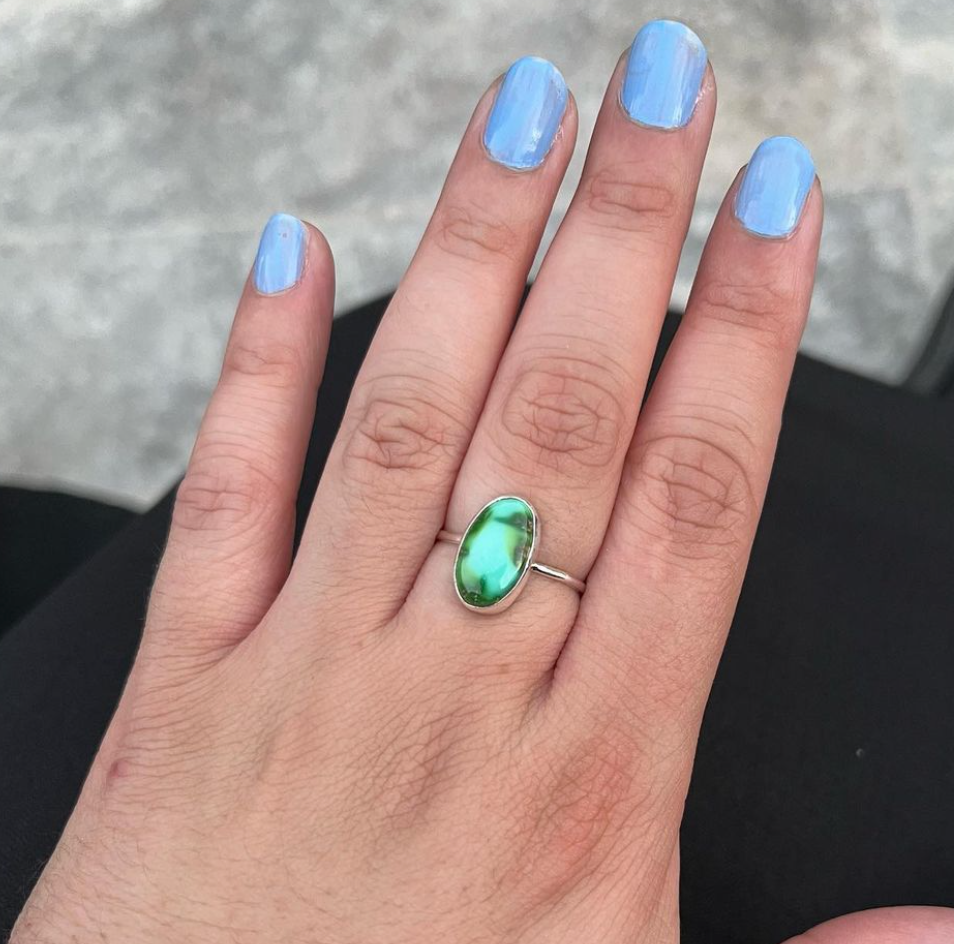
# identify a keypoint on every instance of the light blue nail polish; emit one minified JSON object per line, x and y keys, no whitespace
{"x":281,"y":254}
{"x":664,"y":73}
{"x":526,"y":116}
{"x":775,"y":186}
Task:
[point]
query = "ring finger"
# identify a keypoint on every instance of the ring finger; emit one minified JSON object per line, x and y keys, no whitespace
{"x":420,"y":390}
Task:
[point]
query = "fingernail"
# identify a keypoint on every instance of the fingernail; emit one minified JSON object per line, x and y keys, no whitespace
{"x":527,"y":112}
{"x":664,"y":73}
{"x":775,"y":187}
{"x":281,"y":254}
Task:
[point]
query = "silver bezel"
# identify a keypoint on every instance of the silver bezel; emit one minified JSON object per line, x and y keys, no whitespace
{"x":517,"y":588}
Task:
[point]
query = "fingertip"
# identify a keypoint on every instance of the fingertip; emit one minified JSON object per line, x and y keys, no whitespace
{"x":816,"y":199}
{"x":571,"y":119}
{"x":527,"y":117}
{"x":320,"y":258}
{"x":293,"y":272}
{"x":280,"y":259}
{"x":773,"y":194}
{"x":318,"y":245}
{"x":665,"y":76}
{"x":710,"y":88}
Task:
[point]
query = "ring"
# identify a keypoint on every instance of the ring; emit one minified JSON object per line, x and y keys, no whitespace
{"x":495,"y":555}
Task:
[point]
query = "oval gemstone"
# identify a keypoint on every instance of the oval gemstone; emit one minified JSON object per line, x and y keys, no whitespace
{"x":494,"y":552}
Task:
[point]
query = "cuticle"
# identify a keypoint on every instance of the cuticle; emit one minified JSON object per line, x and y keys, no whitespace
{"x":666,"y":129}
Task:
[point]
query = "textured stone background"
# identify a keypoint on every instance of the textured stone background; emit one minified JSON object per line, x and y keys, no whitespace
{"x":143,"y":143}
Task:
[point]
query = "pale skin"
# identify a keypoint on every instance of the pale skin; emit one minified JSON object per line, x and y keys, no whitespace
{"x":337,"y":751}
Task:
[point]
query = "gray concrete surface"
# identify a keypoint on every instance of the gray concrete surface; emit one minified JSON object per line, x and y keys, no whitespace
{"x":143,"y":143}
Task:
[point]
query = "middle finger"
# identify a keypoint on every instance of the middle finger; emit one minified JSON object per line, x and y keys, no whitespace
{"x":562,"y":410}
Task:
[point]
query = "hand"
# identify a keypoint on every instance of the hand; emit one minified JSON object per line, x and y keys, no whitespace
{"x":338,"y":750}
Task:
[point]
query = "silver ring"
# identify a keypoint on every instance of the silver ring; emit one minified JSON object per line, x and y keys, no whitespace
{"x":496,"y":554}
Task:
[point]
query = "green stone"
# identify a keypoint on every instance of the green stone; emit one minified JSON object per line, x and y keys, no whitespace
{"x":494,"y":552}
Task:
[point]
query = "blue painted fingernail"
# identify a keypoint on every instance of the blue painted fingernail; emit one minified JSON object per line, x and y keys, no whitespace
{"x":281,"y":254}
{"x":664,"y":73}
{"x":527,"y":112}
{"x":775,"y":187}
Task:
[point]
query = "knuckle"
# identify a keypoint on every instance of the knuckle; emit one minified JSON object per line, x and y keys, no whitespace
{"x":472,"y":233}
{"x":565,"y":414}
{"x":224,"y":493}
{"x":266,"y":363}
{"x":165,"y":739}
{"x":628,"y":198}
{"x":404,"y":430}
{"x":694,"y":498}
{"x":763,"y":308}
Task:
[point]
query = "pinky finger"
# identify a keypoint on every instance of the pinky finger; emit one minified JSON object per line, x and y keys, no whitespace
{"x":230,"y":543}
{"x":661,"y":596}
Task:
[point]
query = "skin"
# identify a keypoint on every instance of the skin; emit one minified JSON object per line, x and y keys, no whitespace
{"x":335,"y":750}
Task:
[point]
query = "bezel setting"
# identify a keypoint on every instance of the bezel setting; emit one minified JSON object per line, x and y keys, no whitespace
{"x":510,"y":597}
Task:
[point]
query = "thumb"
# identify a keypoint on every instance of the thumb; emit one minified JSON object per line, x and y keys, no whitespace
{"x":885,"y":926}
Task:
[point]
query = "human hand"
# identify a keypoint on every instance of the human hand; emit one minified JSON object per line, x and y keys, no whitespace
{"x":338,"y":750}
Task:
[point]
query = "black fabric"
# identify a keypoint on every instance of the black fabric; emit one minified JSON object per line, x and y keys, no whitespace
{"x":825,"y":773}
{"x":43,"y":537}
{"x":825,"y":768}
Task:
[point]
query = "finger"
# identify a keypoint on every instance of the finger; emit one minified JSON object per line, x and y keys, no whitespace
{"x":230,"y":542}
{"x":384,"y":490}
{"x":665,"y":586}
{"x":912,"y":925}
{"x":561,"y":411}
